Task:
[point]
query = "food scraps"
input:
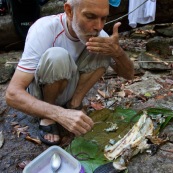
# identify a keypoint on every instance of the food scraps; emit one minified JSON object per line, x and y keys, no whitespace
{"x":132,"y":143}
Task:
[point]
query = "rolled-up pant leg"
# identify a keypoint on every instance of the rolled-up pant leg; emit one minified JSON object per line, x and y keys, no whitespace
{"x":54,"y":65}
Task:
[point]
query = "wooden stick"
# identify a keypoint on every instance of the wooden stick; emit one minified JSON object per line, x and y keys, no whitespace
{"x":13,"y":62}
{"x":154,"y":61}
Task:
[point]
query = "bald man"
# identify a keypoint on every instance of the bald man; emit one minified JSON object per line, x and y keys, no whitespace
{"x":64,"y":56}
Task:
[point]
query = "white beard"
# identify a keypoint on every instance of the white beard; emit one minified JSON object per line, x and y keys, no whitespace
{"x":79,"y":33}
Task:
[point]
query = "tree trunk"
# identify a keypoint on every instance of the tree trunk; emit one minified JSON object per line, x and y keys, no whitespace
{"x":10,"y":40}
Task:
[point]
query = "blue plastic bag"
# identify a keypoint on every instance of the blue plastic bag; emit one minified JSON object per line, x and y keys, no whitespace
{"x":114,"y":3}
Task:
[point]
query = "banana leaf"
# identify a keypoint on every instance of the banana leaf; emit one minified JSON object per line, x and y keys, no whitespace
{"x":89,"y":149}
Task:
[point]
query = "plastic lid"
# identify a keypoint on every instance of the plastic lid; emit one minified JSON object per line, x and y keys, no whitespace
{"x":114,"y":3}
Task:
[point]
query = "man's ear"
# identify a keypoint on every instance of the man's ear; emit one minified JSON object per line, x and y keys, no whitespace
{"x":68,"y":10}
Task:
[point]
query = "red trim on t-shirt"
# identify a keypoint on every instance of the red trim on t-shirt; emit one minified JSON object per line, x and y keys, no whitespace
{"x":60,"y":32}
{"x":61,"y":20}
{"x":57,"y":37}
{"x":26,"y":68}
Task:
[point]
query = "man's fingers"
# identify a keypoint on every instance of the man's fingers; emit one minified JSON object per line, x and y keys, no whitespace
{"x":115,"y":28}
{"x":80,"y":131}
{"x":88,"y":121}
{"x":79,"y":123}
{"x":83,"y":126}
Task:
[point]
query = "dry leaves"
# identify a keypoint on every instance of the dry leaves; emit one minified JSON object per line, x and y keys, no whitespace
{"x":23,"y":164}
{"x":97,"y":105}
{"x":20,"y":130}
{"x":104,"y":94}
{"x":37,"y":141}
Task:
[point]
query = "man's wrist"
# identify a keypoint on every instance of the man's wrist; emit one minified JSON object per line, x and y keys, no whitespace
{"x":118,"y":54}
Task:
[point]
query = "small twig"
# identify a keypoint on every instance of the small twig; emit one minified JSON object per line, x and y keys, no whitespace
{"x":154,"y":61}
{"x":170,"y":151}
{"x":98,"y":122}
{"x":8,"y":62}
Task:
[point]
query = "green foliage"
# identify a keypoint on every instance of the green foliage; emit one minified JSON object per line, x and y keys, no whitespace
{"x":88,"y":152}
{"x":93,"y":143}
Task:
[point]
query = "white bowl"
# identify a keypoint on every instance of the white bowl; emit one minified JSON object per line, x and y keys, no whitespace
{"x":41,"y":164}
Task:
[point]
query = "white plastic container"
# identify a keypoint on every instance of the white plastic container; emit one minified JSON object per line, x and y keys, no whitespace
{"x":41,"y":164}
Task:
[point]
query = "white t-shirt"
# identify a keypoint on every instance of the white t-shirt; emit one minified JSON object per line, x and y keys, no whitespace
{"x":47,"y":32}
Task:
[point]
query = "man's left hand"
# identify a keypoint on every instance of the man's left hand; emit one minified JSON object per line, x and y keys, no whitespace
{"x":105,"y":45}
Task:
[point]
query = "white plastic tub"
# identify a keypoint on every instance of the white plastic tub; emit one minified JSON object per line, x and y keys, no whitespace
{"x":41,"y":164}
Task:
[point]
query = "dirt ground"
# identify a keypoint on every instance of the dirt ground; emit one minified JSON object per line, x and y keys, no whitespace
{"x":17,"y":150}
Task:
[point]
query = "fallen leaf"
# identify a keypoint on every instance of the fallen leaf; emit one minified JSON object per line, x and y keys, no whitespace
{"x":24,"y":163}
{"x":141,"y":97}
{"x":169,"y":94}
{"x":156,"y":140}
{"x":103,"y":94}
{"x":97,"y":106}
{"x":14,"y":123}
{"x":121,"y":94}
{"x":14,"y":115}
{"x":128,"y":104}
{"x":128,"y":92}
{"x":169,"y":81}
{"x":147,"y":94}
{"x":98,"y":97}
{"x":159,"y":97}
{"x":20,"y":130}
{"x":37,"y":141}
{"x":1,"y":139}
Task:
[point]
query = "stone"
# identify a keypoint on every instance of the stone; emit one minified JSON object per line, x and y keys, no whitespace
{"x":160,"y":45}
{"x":8,"y":62}
{"x":153,"y":61}
{"x":164,"y":29}
{"x":147,"y":86}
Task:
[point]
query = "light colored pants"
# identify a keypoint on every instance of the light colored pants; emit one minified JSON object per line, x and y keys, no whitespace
{"x":56,"y":64}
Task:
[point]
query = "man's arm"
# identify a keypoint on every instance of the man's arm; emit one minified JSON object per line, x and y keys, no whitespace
{"x":122,"y":65}
{"x":16,"y":96}
{"x":109,"y":46}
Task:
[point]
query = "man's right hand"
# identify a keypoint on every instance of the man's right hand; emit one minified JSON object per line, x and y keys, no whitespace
{"x":75,"y":121}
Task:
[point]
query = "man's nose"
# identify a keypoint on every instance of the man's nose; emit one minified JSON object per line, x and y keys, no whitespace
{"x":99,"y":24}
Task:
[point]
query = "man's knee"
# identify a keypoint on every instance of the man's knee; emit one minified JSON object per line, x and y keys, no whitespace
{"x":56,"y":63}
{"x":55,"y":57}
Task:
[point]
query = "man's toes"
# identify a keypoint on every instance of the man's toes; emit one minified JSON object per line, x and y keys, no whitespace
{"x":48,"y":137}
{"x":52,"y":138}
{"x":56,"y":138}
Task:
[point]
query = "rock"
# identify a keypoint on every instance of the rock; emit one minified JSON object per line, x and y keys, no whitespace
{"x":158,"y":55}
{"x":52,"y":7}
{"x":153,"y":61}
{"x":164,"y":29}
{"x":6,"y":73}
{"x":160,"y":45}
{"x":147,"y":86}
{"x":8,"y":62}
{"x":138,"y":36}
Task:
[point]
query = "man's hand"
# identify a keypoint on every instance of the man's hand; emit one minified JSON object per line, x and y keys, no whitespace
{"x":75,"y":121}
{"x":110,"y":47}
{"x":105,"y":45}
